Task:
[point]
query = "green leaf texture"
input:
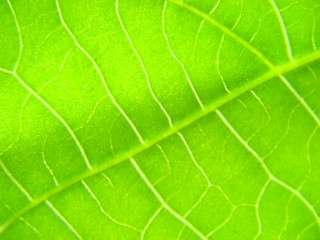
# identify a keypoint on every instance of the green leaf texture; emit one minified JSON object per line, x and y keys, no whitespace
{"x":155,"y":119}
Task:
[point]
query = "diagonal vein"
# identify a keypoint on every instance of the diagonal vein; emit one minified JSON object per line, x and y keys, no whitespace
{"x":12,"y":178}
{"x":277,"y":71}
{"x":164,"y":203}
{"x":63,"y":219}
{"x":283,"y":29}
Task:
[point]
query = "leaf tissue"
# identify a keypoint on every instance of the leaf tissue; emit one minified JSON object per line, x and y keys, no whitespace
{"x":160,"y":119}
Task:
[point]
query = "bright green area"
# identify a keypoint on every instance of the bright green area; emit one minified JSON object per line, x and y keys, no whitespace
{"x":160,"y":119}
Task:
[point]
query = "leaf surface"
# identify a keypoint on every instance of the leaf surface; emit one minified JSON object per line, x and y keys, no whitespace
{"x":159,"y":119}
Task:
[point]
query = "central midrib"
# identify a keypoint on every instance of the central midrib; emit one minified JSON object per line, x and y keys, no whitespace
{"x":276,"y":71}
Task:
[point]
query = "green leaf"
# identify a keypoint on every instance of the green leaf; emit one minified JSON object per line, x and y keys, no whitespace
{"x":159,"y":119}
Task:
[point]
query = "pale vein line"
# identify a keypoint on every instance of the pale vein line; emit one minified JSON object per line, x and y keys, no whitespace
{"x":256,"y":32}
{"x":57,"y":115}
{"x":167,"y":162}
{"x":164,"y":156}
{"x":164,"y":204}
{"x":141,"y":64}
{"x":233,"y":208}
{"x":283,"y":29}
{"x":264,"y":166}
{"x":93,"y":112}
{"x":23,"y":220}
{"x":313,"y":40}
{"x":203,"y":195}
{"x":108,"y":179}
{"x":218,"y":65}
{"x":31,"y":227}
{"x":49,"y":168}
{"x":202,"y":23}
{"x":19,"y":35}
{"x":301,"y":100}
{"x":103,"y":210}
{"x":12,"y":178}
{"x":277,"y":144}
{"x":63,"y":219}
{"x":286,"y":221}
{"x":239,"y":17}
{"x":181,"y":231}
{"x":203,"y":173}
{"x":219,"y":53}
{"x":257,"y":205}
{"x":213,"y":231}
{"x":6,"y":70}
{"x":177,"y":59}
{"x":303,"y":231}
{"x":194,"y":160}
{"x":235,"y":133}
{"x":24,"y":103}
{"x":308,"y":149}
{"x":153,"y":217}
{"x":85,"y":52}
{"x":261,"y":103}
